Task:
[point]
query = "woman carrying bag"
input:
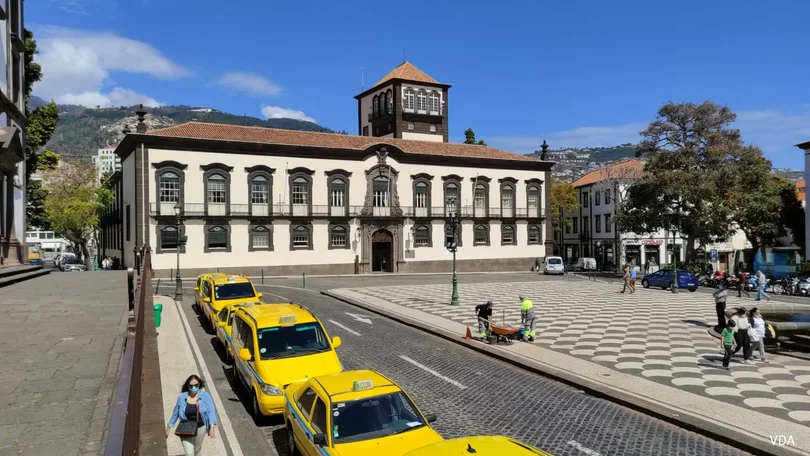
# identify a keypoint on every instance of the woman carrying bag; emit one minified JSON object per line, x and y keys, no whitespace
{"x":195,"y":410}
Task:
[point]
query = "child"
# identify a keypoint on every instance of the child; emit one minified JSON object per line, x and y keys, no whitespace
{"x":758,"y":341}
{"x":727,"y":343}
{"x":484,"y":312}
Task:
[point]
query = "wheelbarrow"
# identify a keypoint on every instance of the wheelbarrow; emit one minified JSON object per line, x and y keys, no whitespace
{"x":505,"y":334}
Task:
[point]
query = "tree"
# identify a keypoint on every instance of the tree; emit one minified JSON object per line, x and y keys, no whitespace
{"x":793,"y":214}
{"x":469,"y":136}
{"x":36,"y":192}
{"x":617,"y":179}
{"x":694,"y":160}
{"x":563,"y":199}
{"x":74,"y":202}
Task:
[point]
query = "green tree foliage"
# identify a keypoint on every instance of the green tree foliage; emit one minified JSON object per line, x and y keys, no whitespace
{"x":36,"y":192}
{"x":563,"y":199}
{"x":33,"y":72}
{"x":695,"y":161}
{"x":792,"y":213}
{"x":469,"y":136}
{"x":75,"y":201}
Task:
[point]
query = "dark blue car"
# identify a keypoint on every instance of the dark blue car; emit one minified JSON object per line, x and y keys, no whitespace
{"x":664,"y":278}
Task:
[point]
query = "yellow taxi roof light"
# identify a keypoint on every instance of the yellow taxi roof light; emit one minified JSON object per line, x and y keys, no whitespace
{"x":286,"y":319}
{"x":361,"y":385}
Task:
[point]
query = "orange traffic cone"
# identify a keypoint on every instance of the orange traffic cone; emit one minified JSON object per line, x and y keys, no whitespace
{"x":469,"y":334}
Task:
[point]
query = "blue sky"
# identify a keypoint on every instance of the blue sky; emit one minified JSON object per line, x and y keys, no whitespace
{"x":576,"y":73}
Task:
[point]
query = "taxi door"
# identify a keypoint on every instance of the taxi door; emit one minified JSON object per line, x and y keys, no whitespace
{"x":225,"y":316}
{"x":311,"y":420}
{"x":242,"y":337}
{"x":198,"y":292}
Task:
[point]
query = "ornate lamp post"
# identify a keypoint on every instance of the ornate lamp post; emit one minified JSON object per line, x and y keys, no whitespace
{"x":674,"y":217}
{"x":452,"y":246}
{"x":178,"y":213}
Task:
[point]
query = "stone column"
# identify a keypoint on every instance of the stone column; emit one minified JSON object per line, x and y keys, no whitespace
{"x":3,"y":217}
{"x":13,"y":256}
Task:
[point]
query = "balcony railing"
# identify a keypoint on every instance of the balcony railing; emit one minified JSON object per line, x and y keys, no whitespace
{"x":295,"y":210}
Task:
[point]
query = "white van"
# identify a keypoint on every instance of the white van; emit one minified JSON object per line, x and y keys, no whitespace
{"x":586,"y":264}
{"x":553,"y":265}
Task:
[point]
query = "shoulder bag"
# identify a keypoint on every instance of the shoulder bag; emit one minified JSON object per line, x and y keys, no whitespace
{"x":188,"y":428}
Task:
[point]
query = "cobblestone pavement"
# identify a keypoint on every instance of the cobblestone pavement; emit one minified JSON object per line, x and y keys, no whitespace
{"x":61,"y":340}
{"x":471,"y":393}
{"x":654,"y":334}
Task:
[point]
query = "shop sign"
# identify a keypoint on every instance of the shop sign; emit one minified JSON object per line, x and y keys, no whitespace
{"x":653,"y":241}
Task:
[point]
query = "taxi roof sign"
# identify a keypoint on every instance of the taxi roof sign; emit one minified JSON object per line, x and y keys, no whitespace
{"x":286,"y":319}
{"x":361,"y":385}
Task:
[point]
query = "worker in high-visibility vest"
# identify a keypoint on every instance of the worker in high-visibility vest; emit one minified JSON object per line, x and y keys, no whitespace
{"x":527,"y":318}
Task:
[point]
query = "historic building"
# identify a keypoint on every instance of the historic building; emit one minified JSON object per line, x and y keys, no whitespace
{"x":805,"y":146}
{"x":12,"y":142}
{"x":250,"y":199}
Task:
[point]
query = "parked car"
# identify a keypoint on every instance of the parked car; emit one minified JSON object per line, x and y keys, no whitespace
{"x":72,"y":265}
{"x":585,"y":264}
{"x":553,"y":265}
{"x":664,"y":279}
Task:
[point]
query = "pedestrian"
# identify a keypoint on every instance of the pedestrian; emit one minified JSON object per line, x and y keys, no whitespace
{"x":626,"y":277}
{"x":741,"y":280}
{"x":527,"y":318}
{"x":720,"y":296}
{"x":741,"y":325}
{"x":758,"y":333}
{"x":198,"y":418}
{"x":537,"y":265}
{"x":633,"y":274}
{"x":484,"y":313}
{"x":727,"y":343}
{"x":761,"y":282}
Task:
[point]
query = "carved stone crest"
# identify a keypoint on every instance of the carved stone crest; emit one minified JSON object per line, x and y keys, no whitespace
{"x":382,"y":155}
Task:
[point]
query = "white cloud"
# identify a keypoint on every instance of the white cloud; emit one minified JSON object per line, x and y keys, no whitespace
{"x":274,"y":112}
{"x":82,"y":7}
{"x":249,"y":83}
{"x":77,"y":65}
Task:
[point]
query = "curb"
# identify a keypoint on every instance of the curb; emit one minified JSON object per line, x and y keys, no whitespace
{"x":346,"y":276}
{"x":737,"y":438}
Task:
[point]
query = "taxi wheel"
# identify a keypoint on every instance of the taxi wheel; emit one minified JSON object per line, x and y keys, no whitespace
{"x":291,"y":449}
{"x":257,"y":413}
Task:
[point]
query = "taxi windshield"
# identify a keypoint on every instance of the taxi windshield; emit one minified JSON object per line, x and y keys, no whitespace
{"x":234,"y":291}
{"x":293,"y":340}
{"x":374,"y":417}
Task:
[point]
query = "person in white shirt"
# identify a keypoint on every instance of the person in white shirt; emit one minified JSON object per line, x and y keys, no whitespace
{"x":741,"y":334}
{"x":758,"y":331}
{"x":761,"y":281}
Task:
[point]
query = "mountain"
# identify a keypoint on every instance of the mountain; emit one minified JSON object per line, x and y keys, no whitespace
{"x":82,"y":131}
{"x":573,"y":163}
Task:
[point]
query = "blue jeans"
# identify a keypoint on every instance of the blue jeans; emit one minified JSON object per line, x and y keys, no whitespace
{"x":761,"y":293}
{"x":726,"y":355}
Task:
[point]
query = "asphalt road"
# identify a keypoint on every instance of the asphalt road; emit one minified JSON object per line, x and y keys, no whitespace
{"x":471,"y":393}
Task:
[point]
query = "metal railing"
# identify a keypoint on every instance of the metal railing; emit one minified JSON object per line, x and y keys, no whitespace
{"x":304,"y":210}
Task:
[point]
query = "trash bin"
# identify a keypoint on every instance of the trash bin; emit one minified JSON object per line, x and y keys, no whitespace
{"x":158,"y":310}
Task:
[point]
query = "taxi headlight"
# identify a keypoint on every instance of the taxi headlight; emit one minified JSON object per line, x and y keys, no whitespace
{"x":271,"y":390}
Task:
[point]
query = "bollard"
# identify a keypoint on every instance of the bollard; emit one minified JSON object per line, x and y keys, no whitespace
{"x":171,"y":273}
{"x":217,"y":270}
{"x":304,"y":279}
{"x":157,"y":290}
{"x":262,"y":276}
{"x":158,"y":308}
{"x":131,"y":288}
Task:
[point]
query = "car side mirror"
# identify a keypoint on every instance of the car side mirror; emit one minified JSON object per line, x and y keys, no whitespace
{"x":244,"y":354}
{"x":431,"y":418}
{"x":336,"y":342}
{"x":206,"y":299}
{"x":221,"y":324}
{"x":319,"y":439}
{"x":259,"y":294}
{"x":196,"y":288}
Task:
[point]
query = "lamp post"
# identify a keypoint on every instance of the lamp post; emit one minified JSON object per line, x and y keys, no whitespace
{"x":178,"y":291}
{"x":452,"y":246}
{"x":674,"y":220}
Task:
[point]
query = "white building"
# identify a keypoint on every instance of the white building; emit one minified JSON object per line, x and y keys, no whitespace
{"x":12,"y":121}
{"x":806,"y":148}
{"x":286,"y":202}
{"x":106,"y":162}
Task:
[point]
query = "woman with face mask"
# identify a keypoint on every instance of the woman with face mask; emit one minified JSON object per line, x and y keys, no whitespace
{"x":195,"y":410}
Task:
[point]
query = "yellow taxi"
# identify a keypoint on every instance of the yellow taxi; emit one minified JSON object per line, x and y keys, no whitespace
{"x":198,"y":287}
{"x":221,"y":289}
{"x":354,"y":413}
{"x":224,"y":327}
{"x":480,"y":445}
{"x":276,"y":345}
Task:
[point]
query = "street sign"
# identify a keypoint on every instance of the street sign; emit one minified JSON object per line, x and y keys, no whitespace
{"x":714,"y":254}
{"x":700,"y":251}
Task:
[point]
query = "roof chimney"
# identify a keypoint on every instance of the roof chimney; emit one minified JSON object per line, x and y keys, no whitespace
{"x":141,"y":127}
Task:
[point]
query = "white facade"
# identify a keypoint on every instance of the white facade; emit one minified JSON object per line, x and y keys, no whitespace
{"x":106,"y":162}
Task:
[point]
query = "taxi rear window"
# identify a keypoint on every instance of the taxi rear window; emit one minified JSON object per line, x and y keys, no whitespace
{"x":234,"y":291}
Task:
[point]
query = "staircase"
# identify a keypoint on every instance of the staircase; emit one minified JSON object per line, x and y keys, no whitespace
{"x":13,"y":274}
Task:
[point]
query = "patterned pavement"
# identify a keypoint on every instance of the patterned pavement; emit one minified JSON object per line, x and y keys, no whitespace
{"x":654,"y":334}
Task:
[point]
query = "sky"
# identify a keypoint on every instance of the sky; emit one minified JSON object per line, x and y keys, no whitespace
{"x":574,"y":73}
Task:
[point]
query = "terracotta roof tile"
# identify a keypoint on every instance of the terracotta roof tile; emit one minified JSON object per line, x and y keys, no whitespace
{"x":261,"y":135}
{"x":800,"y":188}
{"x":628,"y":169}
{"x":406,"y":71}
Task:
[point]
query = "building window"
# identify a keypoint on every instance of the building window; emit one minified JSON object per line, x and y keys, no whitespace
{"x":597,"y":199}
{"x":389,"y":102}
{"x":507,"y":234}
{"x":586,"y":225}
{"x":534,"y":234}
{"x":452,"y":202}
{"x":128,"y":221}
{"x":575,"y":221}
{"x":338,"y":237}
{"x":365,"y":130}
{"x":598,"y":222}
{"x":217,"y":239}
{"x":608,"y":223}
{"x":410,"y":126}
{"x":433,"y":128}
{"x":422,"y":236}
{"x":381,"y":104}
{"x":390,"y":127}
{"x":259,"y":190}
{"x":421,"y":102}
{"x":433,"y":103}
{"x":568,"y":226}
{"x":300,"y":237}
{"x":260,"y":238}
{"x":216,"y":189}
{"x":380,"y":187}
{"x":481,"y":200}
{"x":337,"y":193}
{"x":481,"y":235}
{"x":408,"y":100}
{"x":421,"y":198}
{"x":300,"y":191}
{"x":507,"y":200}
{"x":169,"y":183}
{"x":168,"y":238}
{"x":607,"y":196}
{"x":374,"y":103}
{"x":584,"y":199}
{"x":448,"y":233}
{"x":533,"y":201}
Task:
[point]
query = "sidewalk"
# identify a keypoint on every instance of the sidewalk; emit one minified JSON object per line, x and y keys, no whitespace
{"x":649,"y":350}
{"x":177,"y":362}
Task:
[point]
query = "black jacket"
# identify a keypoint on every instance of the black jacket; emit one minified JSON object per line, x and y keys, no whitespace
{"x":483,"y":310}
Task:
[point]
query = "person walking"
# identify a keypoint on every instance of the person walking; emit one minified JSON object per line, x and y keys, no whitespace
{"x":758,"y":333}
{"x":626,"y":278}
{"x":742,"y":279}
{"x":527,"y":318}
{"x":484,"y":313}
{"x":633,"y":274}
{"x":727,"y":343}
{"x":198,"y":418}
{"x":720,"y":296}
{"x":761,"y":281}
{"x":741,"y":325}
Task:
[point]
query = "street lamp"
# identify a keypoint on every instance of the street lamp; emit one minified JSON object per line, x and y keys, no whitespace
{"x":178,"y":290}
{"x":674,"y":217}
{"x":452,"y":246}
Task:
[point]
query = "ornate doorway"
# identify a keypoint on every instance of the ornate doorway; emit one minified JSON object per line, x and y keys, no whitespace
{"x":382,"y":251}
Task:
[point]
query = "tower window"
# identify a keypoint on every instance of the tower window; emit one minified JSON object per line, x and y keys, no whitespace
{"x":421,"y":102}
{"x":389,"y":99}
{"x":433,"y":128}
{"x":408,"y":100}
{"x":433,"y":103}
{"x":410,"y":126}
